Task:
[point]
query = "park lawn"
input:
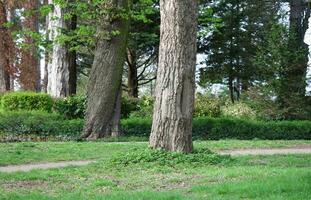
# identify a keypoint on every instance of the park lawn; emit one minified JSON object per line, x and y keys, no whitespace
{"x":243,"y":177}
{"x":28,"y":152}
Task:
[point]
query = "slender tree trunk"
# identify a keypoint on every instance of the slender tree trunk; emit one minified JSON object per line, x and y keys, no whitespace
{"x":230,"y":85}
{"x":29,"y":68}
{"x":132,"y":80}
{"x":46,"y":54}
{"x":115,"y":122}
{"x":106,"y":73}
{"x":4,"y":50}
{"x":58,"y":66}
{"x":175,"y":87}
{"x":73,"y":62}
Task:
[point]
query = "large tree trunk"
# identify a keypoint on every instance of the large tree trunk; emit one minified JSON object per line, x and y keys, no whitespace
{"x":293,"y":88}
{"x":106,"y":73}
{"x":58,"y":66}
{"x":132,"y":79}
{"x":30,"y":66}
{"x":4,"y":50}
{"x":175,"y":87}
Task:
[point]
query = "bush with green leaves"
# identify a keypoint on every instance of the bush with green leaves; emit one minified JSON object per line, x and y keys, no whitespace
{"x":21,"y":125}
{"x":71,"y":107}
{"x":206,"y":106}
{"x":239,"y":110}
{"x":128,"y":105}
{"x":144,"y":108}
{"x":160,"y":157}
{"x":16,"y":101}
{"x":48,"y":125}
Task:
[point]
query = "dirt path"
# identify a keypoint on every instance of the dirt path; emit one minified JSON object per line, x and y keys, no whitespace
{"x":49,"y":165}
{"x":268,"y":151}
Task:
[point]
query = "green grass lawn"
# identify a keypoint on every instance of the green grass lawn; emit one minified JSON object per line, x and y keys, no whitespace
{"x":244,"y":177}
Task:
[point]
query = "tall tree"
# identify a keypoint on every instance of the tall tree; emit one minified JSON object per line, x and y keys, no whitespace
{"x":175,"y":87}
{"x":5,"y":49}
{"x":292,"y":94}
{"x":106,"y":74}
{"x":233,"y":44}
{"x":142,"y":49}
{"x":62,"y":63}
{"x":29,"y":67}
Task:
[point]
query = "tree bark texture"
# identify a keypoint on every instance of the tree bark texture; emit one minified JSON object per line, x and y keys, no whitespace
{"x":58,"y":66}
{"x":4,"y":50}
{"x":106,"y":73}
{"x":132,"y":79}
{"x":29,"y":67}
{"x":175,"y":87}
{"x":293,"y":88}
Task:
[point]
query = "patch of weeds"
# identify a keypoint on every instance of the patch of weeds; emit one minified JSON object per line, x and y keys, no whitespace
{"x":161,"y":157}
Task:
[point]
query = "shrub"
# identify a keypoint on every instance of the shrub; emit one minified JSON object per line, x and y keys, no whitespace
{"x":71,"y":107}
{"x":16,"y":101}
{"x":46,"y":125}
{"x":206,"y":106}
{"x":128,"y":105}
{"x":239,"y":110}
{"x":226,"y":128}
{"x":144,"y":108}
{"x":160,"y":157}
{"x":23,"y":125}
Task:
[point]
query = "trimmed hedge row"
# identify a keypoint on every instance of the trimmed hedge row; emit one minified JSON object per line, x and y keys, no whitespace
{"x":37,"y":125}
{"x":42,"y":125}
{"x":225,"y":128}
{"x":16,"y":101}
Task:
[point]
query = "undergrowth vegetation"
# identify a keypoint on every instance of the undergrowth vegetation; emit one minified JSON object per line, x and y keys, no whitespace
{"x":161,"y":157}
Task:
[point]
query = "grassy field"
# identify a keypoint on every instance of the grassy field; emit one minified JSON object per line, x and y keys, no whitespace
{"x":243,"y":177}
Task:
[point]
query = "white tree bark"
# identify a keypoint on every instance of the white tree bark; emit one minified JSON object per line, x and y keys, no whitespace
{"x":58,"y":66}
{"x":175,"y":87}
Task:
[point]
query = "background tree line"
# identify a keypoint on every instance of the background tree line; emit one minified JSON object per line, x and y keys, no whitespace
{"x":254,"y":49}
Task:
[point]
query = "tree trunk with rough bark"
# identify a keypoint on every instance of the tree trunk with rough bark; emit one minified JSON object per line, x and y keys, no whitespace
{"x":29,"y":67}
{"x":106,"y":73}
{"x":4,"y":49}
{"x":293,"y":84}
{"x":175,"y":87}
{"x":58,"y":66}
{"x":132,"y":79}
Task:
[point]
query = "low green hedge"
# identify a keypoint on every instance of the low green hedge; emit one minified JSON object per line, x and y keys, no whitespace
{"x":16,"y":101}
{"x":39,"y":125}
{"x":43,"y":125}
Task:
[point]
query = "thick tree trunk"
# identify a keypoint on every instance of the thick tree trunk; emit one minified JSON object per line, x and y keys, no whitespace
{"x":4,"y":49}
{"x":58,"y":66}
{"x":30,"y":67}
{"x":132,"y":79}
{"x":175,"y":87}
{"x":106,"y":73}
{"x":293,"y":88}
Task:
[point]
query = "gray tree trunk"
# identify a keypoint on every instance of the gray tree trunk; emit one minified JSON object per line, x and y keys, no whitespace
{"x":175,"y":87}
{"x":106,"y":73}
{"x":58,"y":66}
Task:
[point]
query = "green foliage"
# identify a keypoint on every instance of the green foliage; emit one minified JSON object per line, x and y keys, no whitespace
{"x":144,"y":108}
{"x":225,"y":128}
{"x":239,"y":110}
{"x":71,"y":107}
{"x":26,"y":125}
{"x":206,"y":106}
{"x":26,"y":101}
{"x":128,"y":105}
{"x":160,"y":157}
